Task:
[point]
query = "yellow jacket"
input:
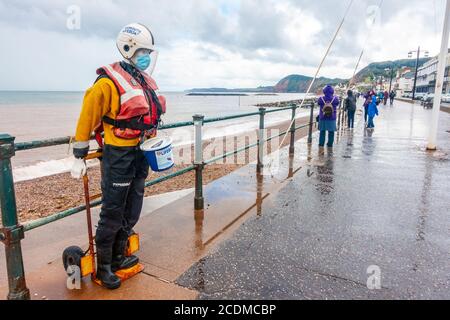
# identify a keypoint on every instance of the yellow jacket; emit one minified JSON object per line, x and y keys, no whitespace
{"x":100,"y":100}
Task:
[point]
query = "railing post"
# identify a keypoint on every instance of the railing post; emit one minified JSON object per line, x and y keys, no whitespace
{"x":292,"y":130}
{"x":339,"y":118}
{"x":199,"y":202}
{"x":261,"y":135}
{"x":345,"y":119}
{"x":311,"y":121}
{"x":344,"y":114}
{"x":12,"y":232}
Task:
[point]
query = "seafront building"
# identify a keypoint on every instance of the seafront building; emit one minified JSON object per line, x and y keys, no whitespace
{"x":426,"y":76}
{"x":404,"y":81}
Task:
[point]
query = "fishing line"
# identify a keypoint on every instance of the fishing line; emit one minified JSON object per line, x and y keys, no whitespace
{"x":320,"y":66}
{"x":323,"y":60}
{"x":380,"y":4}
{"x":363,"y":48}
{"x":317,"y":72}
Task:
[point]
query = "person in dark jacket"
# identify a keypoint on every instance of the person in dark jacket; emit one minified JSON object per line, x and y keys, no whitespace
{"x":386,"y":97}
{"x":327,"y":120}
{"x":392,"y":97}
{"x":350,"y":107}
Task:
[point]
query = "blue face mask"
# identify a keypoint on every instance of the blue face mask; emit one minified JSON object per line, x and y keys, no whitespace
{"x":143,"y":62}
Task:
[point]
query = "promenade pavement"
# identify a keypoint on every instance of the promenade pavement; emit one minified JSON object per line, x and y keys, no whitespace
{"x":367,"y":219}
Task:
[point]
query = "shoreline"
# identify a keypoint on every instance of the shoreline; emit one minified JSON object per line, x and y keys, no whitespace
{"x":282,"y":104}
{"x":41,"y":162}
{"x":41,"y":197}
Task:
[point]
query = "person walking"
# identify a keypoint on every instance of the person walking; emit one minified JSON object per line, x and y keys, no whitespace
{"x":123,"y":105}
{"x":372,"y":112}
{"x":350,"y":107}
{"x":386,"y":97}
{"x":368,"y":100}
{"x":380,"y":97}
{"x":328,"y":105}
{"x":392,"y":96}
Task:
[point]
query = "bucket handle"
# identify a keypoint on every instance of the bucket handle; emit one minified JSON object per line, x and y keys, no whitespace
{"x":163,"y":133}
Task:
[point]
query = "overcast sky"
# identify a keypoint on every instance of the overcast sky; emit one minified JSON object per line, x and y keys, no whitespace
{"x":207,"y":43}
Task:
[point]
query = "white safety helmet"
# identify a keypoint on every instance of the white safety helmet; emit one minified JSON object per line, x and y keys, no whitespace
{"x":132,"y":37}
{"x":136,"y":36}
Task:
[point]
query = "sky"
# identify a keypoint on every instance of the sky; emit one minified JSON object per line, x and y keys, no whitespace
{"x":58,"y":44}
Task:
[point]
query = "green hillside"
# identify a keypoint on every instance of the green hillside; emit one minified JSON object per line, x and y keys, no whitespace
{"x":299,"y":83}
{"x":377,"y":69}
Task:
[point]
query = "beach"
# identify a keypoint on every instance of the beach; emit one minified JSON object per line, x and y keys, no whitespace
{"x":45,"y":196}
{"x":42,"y":179}
{"x":35,"y":115}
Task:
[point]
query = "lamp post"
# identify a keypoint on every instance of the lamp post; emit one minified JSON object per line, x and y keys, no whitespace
{"x":391,"y":69}
{"x":410,"y":54}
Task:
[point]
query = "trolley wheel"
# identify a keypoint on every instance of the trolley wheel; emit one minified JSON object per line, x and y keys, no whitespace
{"x":72,"y":257}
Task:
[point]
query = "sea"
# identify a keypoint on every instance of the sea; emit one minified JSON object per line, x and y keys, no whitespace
{"x":34,"y":115}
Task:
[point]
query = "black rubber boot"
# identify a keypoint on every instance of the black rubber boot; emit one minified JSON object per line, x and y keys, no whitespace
{"x":104,"y":272}
{"x":120,"y":260}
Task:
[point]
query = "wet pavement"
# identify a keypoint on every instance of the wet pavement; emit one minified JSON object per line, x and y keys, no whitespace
{"x":309,"y":230}
{"x":173,"y":237}
{"x":372,"y":213}
{"x":43,"y":245}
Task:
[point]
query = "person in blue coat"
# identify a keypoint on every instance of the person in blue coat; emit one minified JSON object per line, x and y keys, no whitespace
{"x":367,"y":100}
{"x":372,"y":112}
{"x":381,"y":95}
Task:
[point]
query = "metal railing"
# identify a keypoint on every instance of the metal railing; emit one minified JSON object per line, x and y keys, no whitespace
{"x":13,"y":232}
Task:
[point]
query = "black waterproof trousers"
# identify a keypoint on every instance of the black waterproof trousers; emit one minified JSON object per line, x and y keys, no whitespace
{"x":124,"y":170}
{"x":366,"y":113}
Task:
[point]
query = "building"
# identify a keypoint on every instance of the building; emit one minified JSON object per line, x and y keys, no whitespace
{"x":404,"y":80}
{"x":426,"y":76}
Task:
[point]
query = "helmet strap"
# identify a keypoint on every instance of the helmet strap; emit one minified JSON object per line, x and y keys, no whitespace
{"x":130,"y":61}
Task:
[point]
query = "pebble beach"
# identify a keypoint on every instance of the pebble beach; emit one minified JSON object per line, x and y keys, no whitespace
{"x":45,"y":196}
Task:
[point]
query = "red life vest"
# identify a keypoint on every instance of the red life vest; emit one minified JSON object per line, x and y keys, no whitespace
{"x":138,"y":110}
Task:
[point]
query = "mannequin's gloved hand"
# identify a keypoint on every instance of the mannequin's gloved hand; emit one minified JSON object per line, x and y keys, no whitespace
{"x":80,"y":150}
{"x":78,"y":168}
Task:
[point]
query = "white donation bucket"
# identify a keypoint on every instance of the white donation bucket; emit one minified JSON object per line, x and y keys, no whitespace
{"x":158,"y":152}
